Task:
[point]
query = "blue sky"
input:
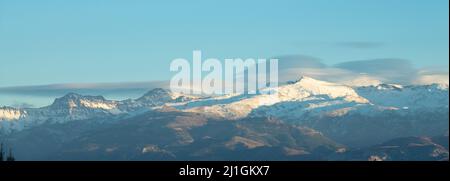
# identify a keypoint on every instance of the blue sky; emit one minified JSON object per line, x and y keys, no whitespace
{"x":88,"y":41}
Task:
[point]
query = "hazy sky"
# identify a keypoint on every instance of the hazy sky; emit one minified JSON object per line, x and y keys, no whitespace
{"x":82,"y":41}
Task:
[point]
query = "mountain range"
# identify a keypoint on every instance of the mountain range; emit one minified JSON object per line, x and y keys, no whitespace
{"x":306,"y":119}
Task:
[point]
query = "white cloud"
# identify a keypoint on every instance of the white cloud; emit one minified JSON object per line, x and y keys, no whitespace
{"x":426,"y":77}
{"x":363,"y":72}
{"x":331,"y":74}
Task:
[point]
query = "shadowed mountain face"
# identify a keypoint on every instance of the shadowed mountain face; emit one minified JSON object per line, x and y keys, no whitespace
{"x":306,"y":119}
{"x":176,"y":136}
{"x":403,"y":149}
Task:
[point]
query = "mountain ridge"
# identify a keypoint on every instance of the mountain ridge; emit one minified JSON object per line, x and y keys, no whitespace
{"x":304,"y":96}
{"x":306,"y":119}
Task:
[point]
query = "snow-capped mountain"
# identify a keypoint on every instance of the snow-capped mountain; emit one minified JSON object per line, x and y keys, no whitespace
{"x":72,"y":107}
{"x":304,"y":94}
{"x":294,"y":119}
{"x":303,"y":100}
{"x":152,"y":99}
{"x":78,"y":107}
{"x":407,"y":97}
{"x":353,"y":116}
{"x":308,"y":97}
{"x":10,"y":113}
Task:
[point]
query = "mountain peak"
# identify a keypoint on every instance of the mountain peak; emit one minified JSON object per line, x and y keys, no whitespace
{"x":72,"y":95}
{"x":307,"y":86}
{"x":10,"y":113}
{"x":389,"y":86}
{"x":439,"y":86}
{"x":302,"y":79}
{"x":157,"y":91}
{"x":157,"y":96}
{"x":308,"y":82}
{"x":72,"y":100}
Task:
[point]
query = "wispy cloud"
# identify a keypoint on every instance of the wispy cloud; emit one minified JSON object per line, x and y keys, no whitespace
{"x":354,"y":73}
{"x":289,"y":61}
{"x":427,"y":76}
{"x":388,"y":69}
{"x":84,"y":88}
{"x":366,"y":72}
